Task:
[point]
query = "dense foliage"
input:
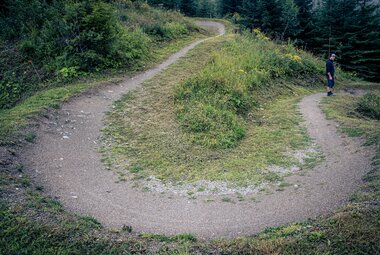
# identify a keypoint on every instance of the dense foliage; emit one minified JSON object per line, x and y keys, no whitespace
{"x":51,"y":42}
{"x":351,"y":28}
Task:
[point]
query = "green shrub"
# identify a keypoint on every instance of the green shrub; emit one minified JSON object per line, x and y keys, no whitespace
{"x":88,"y":37}
{"x":52,"y":42}
{"x":163,"y":25}
{"x":18,"y":75}
{"x":10,"y":93}
{"x":369,"y":105}
{"x":169,"y":30}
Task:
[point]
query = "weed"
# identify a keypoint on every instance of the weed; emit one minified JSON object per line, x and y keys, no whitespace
{"x":201,"y":189}
{"x":352,"y":132}
{"x":136,"y":169}
{"x":227,"y":200}
{"x":176,"y":238}
{"x":282,"y":186}
{"x":30,"y":137}
{"x":89,"y":222}
{"x":19,"y":167}
{"x":127,"y":228}
{"x":25,"y":181}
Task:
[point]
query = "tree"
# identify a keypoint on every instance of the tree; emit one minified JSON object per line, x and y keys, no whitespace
{"x":188,"y":7}
{"x":251,"y":15}
{"x":352,"y":29}
{"x":305,"y":18}
{"x":360,"y":47}
{"x":289,"y":19}
{"x":206,"y":8}
{"x":229,"y":6}
{"x":170,"y":4}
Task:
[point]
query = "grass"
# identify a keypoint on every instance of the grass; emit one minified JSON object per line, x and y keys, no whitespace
{"x":144,"y":128}
{"x":344,"y":109}
{"x":369,"y":106}
{"x":168,"y":239}
{"x":214,"y":104}
{"x":13,"y":121}
{"x":31,"y":223}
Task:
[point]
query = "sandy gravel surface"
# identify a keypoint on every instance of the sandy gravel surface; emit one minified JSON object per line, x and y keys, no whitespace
{"x":65,"y":160}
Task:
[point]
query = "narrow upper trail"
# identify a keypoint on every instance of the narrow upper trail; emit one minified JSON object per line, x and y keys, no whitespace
{"x":65,"y":160}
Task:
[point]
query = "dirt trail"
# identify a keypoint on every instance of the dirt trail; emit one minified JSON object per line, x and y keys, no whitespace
{"x":66,"y":162}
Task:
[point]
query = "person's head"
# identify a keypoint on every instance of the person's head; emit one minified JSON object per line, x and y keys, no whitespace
{"x":332,"y":56}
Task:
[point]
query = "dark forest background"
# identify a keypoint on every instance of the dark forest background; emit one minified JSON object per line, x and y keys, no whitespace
{"x":47,"y":43}
{"x":349,"y":28}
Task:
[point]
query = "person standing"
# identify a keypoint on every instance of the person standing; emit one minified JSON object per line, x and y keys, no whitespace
{"x":330,"y":70}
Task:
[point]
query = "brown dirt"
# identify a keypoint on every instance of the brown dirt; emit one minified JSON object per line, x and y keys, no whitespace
{"x":65,"y":160}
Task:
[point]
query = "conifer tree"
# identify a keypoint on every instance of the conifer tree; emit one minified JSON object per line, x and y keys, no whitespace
{"x":251,"y":16}
{"x":229,"y":6}
{"x":360,"y":47}
{"x":305,"y":18}
{"x":188,"y":7}
{"x":170,"y":4}
{"x":206,"y":8}
{"x":289,"y":19}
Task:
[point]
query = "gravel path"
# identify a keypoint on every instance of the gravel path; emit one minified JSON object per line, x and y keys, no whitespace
{"x":66,"y":162}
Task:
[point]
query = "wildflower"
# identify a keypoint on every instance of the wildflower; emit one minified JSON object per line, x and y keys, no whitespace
{"x":260,"y":35}
{"x":297,"y":58}
{"x":294,"y":58}
{"x":257,"y":30}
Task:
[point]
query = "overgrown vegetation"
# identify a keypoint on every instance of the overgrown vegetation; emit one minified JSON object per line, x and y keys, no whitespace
{"x":214,"y":104}
{"x":220,"y":118}
{"x":355,"y":113}
{"x":53,"y":42}
{"x":26,"y":81}
{"x":369,"y":105}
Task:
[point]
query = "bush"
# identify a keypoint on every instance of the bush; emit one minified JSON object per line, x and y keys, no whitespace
{"x":57,"y":41}
{"x":168,"y":30}
{"x":369,"y":105}
{"x":10,"y":93}
{"x":163,"y":25}
{"x":88,"y":37}
{"x":17,"y":75}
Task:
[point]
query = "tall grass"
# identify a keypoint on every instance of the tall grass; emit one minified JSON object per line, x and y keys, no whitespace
{"x":161,"y":25}
{"x":369,"y":105}
{"x":214,"y":104}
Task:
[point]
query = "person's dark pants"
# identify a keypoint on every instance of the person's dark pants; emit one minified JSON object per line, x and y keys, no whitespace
{"x":330,"y":83}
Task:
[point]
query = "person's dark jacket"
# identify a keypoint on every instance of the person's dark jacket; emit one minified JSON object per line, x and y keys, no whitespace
{"x":330,"y":68}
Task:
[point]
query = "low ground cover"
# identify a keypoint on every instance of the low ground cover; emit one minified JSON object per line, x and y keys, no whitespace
{"x":31,"y":223}
{"x":220,"y":121}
